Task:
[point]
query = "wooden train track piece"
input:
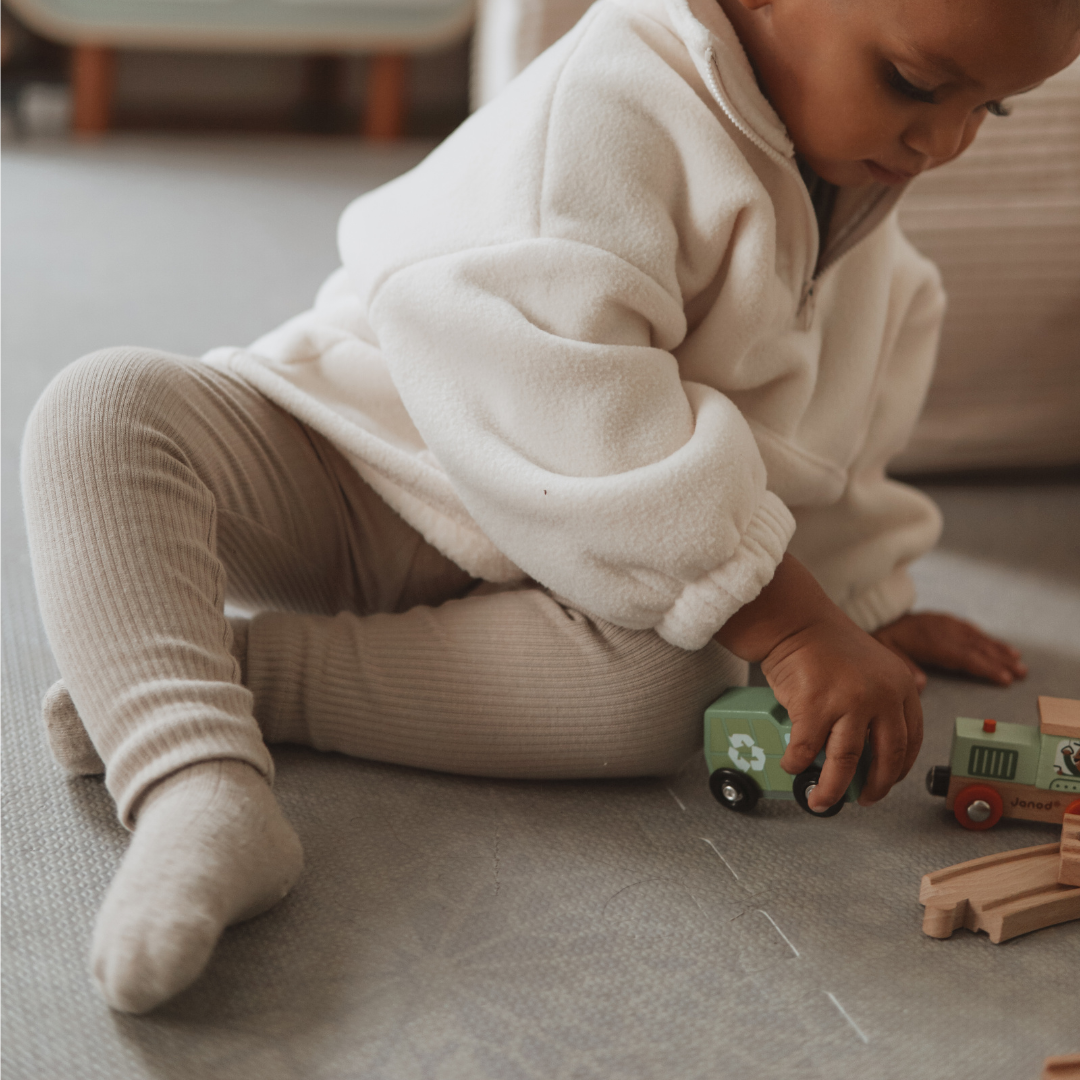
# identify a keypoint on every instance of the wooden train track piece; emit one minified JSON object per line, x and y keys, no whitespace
{"x":1008,"y":894}
{"x":1069,"y":867}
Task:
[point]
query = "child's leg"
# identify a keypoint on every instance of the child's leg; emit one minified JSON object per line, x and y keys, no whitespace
{"x":510,"y":684}
{"x":498,"y":683}
{"x":153,"y":484}
{"x":156,"y":486}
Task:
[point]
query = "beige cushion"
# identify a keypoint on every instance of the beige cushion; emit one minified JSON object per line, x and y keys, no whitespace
{"x":1002,"y":222}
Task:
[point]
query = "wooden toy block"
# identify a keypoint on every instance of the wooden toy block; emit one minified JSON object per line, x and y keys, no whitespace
{"x":1008,"y":894}
{"x":1059,"y":716}
{"x":1069,"y":865}
{"x":1065,"y":1067}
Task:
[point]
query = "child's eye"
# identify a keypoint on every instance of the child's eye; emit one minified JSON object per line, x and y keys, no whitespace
{"x":917,"y":93}
{"x":908,"y":89}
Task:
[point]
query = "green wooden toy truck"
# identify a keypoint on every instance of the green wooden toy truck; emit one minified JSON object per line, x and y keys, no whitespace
{"x":746,"y":733}
{"x":1013,"y":770}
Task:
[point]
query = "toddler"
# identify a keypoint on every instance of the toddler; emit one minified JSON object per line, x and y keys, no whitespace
{"x":597,"y":410}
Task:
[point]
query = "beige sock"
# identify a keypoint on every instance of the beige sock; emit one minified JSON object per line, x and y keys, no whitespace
{"x":70,"y":745}
{"x":211,"y":848}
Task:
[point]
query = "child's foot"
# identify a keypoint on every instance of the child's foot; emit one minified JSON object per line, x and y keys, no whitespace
{"x":211,"y":848}
{"x":70,"y":745}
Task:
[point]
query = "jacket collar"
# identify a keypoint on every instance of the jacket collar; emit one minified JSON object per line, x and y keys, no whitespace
{"x":723,"y":64}
{"x":716,"y":48}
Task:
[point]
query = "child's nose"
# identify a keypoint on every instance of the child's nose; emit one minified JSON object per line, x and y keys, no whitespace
{"x":937,"y":140}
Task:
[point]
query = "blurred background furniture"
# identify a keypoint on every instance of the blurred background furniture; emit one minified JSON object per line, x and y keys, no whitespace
{"x":324,"y":29}
{"x":1002,"y":223}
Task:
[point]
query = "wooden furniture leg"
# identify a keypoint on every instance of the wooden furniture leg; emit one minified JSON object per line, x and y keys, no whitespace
{"x":93,"y":76}
{"x":384,"y":115}
{"x":320,"y":103}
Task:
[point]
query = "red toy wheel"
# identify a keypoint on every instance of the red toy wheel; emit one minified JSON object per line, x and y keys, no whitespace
{"x":978,"y":807}
{"x":1073,"y":807}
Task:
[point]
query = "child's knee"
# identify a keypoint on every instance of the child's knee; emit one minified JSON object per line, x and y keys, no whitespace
{"x":108,"y":384}
{"x":662,"y":693}
{"x":101,"y":396}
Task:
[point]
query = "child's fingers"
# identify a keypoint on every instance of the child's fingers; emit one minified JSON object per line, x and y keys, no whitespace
{"x":895,"y":735}
{"x":947,"y":642}
{"x":890,"y":743}
{"x":896,"y":746}
{"x":845,"y":747}
{"x":1004,"y":659}
{"x":807,"y":739}
{"x":980,"y":656}
{"x":968,"y":649}
{"x":913,"y":721}
{"x":992,"y":665}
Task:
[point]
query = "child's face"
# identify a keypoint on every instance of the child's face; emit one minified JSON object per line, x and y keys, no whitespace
{"x":884,"y":89}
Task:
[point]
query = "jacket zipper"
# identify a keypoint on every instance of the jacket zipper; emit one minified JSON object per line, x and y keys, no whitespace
{"x":813,"y":274}
{"x":805,"y":309}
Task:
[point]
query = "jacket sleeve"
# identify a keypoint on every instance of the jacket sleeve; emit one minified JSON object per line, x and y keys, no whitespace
{"x":859,"y":548}
{"x":537,"y":363}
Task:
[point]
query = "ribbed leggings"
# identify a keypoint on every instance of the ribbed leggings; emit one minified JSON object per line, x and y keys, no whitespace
{"x":157,"y":488}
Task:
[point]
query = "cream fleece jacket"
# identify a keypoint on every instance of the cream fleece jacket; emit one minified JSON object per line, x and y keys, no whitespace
{"x":591,"y":340}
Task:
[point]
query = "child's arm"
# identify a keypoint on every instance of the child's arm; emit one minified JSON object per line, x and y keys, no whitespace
{"x":527,"y":288}
{"x":834,"y":679}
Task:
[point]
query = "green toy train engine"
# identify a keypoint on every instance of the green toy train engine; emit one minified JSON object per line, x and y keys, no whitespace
{"x":1013,"y":770}
{"x":746,"y":733}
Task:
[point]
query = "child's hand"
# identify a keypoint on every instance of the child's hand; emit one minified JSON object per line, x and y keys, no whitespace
{"x":836,"y":682}
{"x":943,"y":641}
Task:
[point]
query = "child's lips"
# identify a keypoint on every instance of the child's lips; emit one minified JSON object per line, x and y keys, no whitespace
{"x":887,"y":176}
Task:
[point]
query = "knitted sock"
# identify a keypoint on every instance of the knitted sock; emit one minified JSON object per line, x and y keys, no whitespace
{"x":69,"y":742}
{"x":211,"y":848}
{"x":70,"y":745}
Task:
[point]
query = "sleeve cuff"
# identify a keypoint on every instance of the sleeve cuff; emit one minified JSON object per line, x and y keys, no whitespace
{"x":884,"y":602}
{"x":706,"y":604}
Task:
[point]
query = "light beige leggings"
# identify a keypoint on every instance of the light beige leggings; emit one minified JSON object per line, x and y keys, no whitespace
{"x":157,"y":488}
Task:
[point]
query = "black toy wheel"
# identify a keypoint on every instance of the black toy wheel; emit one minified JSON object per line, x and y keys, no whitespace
{"x":804,"y":783}
{"x":735,"y":790}
{"x":937,"y":780}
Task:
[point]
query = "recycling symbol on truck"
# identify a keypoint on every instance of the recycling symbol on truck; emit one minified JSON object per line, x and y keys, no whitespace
{"x":757,"y":755}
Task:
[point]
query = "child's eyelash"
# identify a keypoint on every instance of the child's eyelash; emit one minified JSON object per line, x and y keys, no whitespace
{"x":917,"y":93}
{"x":908,"y":89}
